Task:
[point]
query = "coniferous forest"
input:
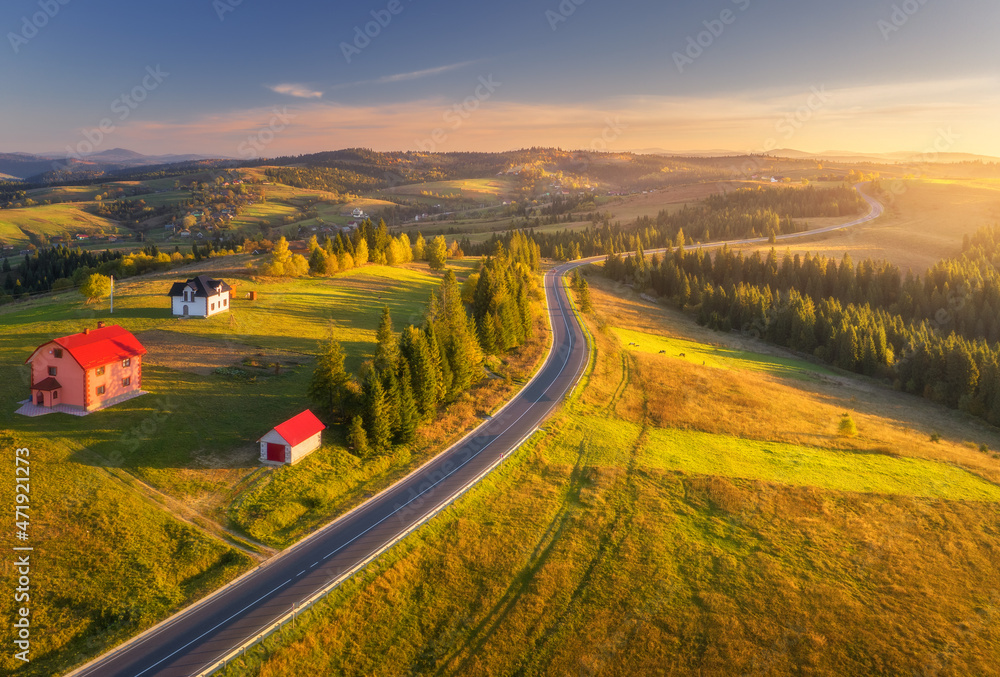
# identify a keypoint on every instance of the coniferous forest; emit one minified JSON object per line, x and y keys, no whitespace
{"x":747,"y":212}
{"x":417,"y":370}
{"x":934,"y":335}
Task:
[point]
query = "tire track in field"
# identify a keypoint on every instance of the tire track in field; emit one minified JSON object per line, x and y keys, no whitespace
{"x":544,"y":547}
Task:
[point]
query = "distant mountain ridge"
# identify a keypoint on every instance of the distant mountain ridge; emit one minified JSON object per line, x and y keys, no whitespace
{"x":27,"y":165}
{"x":896,"y":157}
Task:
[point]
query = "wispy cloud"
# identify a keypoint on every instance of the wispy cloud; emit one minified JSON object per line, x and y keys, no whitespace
{"x":296,"y":90}
{"x":883,"y":118}
{"x":407,"y":77}
{"x":425,"y":73}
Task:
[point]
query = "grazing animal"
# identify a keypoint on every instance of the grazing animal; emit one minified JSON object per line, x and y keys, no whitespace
{"x":682,"y":355}
{"x":663,"y":352}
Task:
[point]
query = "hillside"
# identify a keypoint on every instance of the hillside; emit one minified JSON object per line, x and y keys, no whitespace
{"x":691,"y":513}
{"x":162,"y":499}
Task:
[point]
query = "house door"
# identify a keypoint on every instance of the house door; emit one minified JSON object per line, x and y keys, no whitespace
{"x":40,"y":400}
{"x":185,"y":311}
{"x":276,"y":452}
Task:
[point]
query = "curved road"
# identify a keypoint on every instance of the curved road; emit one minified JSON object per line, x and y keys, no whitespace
{"x":196,"y":638}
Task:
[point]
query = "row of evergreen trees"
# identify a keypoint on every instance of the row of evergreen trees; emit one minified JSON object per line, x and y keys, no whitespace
{"x":960,"y":294}
{"x":862,"y":319}
{"x":38,"y":271}
{"x":414,"y":372}
{"x":750,"y":212}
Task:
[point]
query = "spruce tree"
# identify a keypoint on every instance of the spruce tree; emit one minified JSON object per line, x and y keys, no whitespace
{"x":357,"y":438}
{"x":328,"y":387}
{"x":409,"y":414}
{"x":387,"y":352}
{"x":424,"y":370}
{"x":586,"y":305}
{"x":376,"y":412}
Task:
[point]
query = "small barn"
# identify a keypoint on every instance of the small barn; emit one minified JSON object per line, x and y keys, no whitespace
{"x":292,"y":440}
{"x":199,"y":297}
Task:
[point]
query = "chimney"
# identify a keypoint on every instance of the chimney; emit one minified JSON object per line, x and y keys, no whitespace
{"x":86,"y":330}
{"x":100,"y":324}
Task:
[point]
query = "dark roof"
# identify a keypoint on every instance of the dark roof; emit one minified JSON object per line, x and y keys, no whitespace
{"x":203,"y":286}
{"x":47,"y":384}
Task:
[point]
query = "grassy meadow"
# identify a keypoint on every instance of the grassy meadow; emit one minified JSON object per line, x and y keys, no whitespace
{"x":56,"y":220}
{"x":159,"y":500}
{"x":924,"y":222}
{"x":681,"y":518}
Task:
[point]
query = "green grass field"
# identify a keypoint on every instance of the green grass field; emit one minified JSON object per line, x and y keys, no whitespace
{"x":718,"y":357}
{"x":473,"y":190}
{"x":613,"y":545}
{"x":62,"y":220}
{"x":122,"y":492}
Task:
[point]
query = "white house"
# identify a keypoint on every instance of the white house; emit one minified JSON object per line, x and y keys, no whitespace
{"x":199,"y":297}
{"x":292,"y":441}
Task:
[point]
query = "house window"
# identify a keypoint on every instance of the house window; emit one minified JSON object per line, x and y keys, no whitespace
{"x":99,"y":371}
{"x":225,"y":302}
{"x":100,"y":390}
{"x":57,"y":353}
{"x":127,"y":362}
{"x":52,"y":371}
{"x":55,"y":394}
{"x":213,"y":306}
{"x":127,"y":381}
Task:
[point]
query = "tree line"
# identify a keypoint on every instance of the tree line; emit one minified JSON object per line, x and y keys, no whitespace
{"x":416,"y":371}
{"x":744,"y":213}
{"x":917,"y":333}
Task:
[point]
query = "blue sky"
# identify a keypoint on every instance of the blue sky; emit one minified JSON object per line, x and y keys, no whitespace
{"x":237,"y":78}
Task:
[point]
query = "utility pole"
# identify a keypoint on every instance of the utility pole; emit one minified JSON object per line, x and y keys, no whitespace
{"x":112,"y":294}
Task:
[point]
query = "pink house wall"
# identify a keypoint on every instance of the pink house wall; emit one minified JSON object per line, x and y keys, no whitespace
{"x":79,"y":388}
{"x":114,"y":372}
{"x":69,"y":373}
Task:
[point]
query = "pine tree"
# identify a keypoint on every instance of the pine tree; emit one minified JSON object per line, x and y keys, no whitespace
{"x":387,"y":352}
{"x":847,"y":428}
{"x":393,"y":398}
{"x":376,"y":412}
{"x":329,"y":385}
{"x":586,"y":305}
{"x":357,"y":438}
{"x":424,"y":371}
{"x":409,"y":414}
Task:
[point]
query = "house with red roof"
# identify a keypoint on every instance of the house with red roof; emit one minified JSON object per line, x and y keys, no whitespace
{"x":83,"y":372}
{"x":291,"y":441}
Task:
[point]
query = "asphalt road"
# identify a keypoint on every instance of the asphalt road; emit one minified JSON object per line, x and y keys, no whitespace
{"x":195,"y":638}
